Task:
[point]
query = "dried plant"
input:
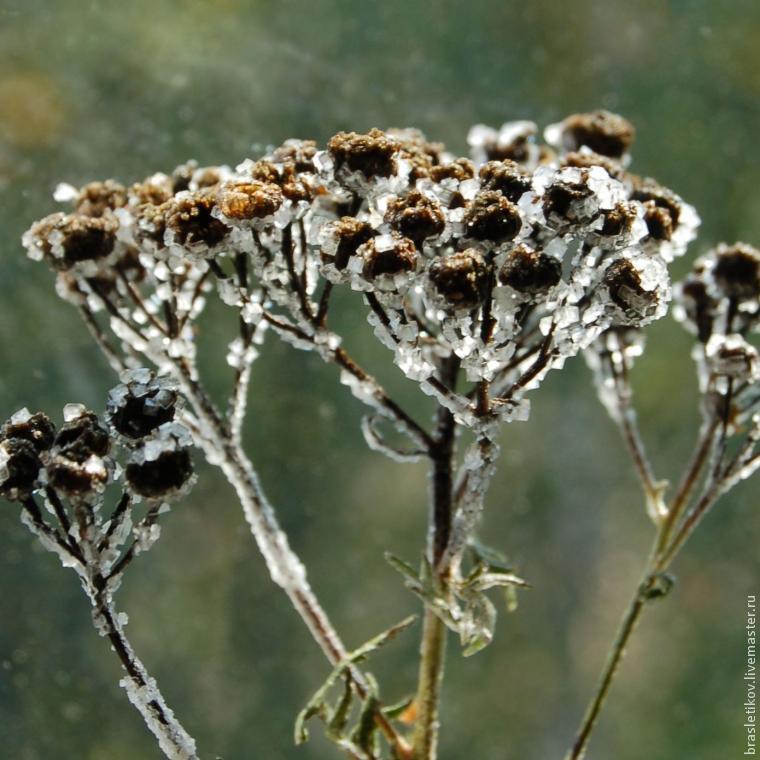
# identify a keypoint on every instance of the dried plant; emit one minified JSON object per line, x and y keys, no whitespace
{"x":478,"y":275}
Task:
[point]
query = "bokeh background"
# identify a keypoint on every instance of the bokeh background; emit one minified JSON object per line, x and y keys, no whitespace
{"x":93,"y":89}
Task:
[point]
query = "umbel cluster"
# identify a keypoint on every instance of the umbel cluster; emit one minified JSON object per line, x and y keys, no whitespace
{"x":479,"y":275}
{"x":515,"y":258}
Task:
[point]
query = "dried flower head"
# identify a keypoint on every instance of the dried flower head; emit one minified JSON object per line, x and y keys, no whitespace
{"x":493,"y":217}
{"x":141,"y":404}
{"x":20,"y":466}
{"x":371,"y":154}
{"x":388,"y":255}
{"x":415,"y":216}
{"x":78,"y":464}
{"x":161,"y":468}
{"x":529,"y":271}
{"x":461,"y":279}
{"x":602,"y":132}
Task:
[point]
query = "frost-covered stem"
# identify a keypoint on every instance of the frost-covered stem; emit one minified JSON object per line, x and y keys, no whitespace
{"x":283,"y":564}
{"x":614,"y":658}
{"x":629,"y":426}
{"x":433,"y":646}
{"x":141,"y":688}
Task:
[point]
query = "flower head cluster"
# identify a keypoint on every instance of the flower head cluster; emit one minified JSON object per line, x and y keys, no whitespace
{"x":513,"y":260}
{"x":719,"y":302}
{"x":79,"y":460}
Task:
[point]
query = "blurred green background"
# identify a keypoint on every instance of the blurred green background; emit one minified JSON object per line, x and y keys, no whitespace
{"x":97,"y":89}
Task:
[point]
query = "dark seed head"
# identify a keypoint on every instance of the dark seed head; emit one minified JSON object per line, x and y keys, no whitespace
{"x":601,"y":131}
{"x":189,"y":216}
{"x":529,"y":271}
{"x":401,"y":257}
{"x":351,"y":235}
{"x":97,"y":198}
{"x":35,"y":428}
{"x":699,"y":306}
{"x":618,"y":220}
{"x":623,"y":283}
{"x":252,"y":200}
{"x":460,"y":170}
{"x":82,"y":437}
{"x":462,"y":278}
{"x":415,"y":216}
{"x":20,"y":466}
{"x":160,"y":477}
{"x":370,"y":154}
{"x":659,"y":221}
{"x":492,"y":216}
{"x":141,"y":405}
{"x":565,"y":202}
{"x":506,"y":177}
{"x":737,"y":271}
{"x":644,"y":190}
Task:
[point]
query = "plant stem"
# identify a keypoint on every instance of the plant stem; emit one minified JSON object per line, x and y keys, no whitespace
{"x":433,"y":646}
{"x":142,"y":690}
{"x":432,"y":651}
{"x":283,"y":564}
{"x":614,"y":658}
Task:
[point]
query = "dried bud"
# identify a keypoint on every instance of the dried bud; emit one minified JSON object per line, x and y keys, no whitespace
{"x":422,"y":155}
{"x":601,"y":131}
{"x":737,"y":271}
{"x":299,"y":153}
{"x":460,"y":170}
{"x":20,"y":467}
{"x":626,"y":290}
{"x":65,"y":240}
{"x":731,"y":356}
{"x":162,"y":467}
{"x":529,"y":271}
{"x":506,"y":177}
{"x":254,"y":200}
{"x":618,"y":222}
{"x":568,"y":201}
{"x":141,"y":404}
{"x":462,"y":279}
{"x":97,"y":198}
{"x":515,"y":141}
{"x":697,"y":305}
{"x":586,"y":159}
{"x":77,"y":463}
{"x":370,"y":154}
{"x":189,"y":217}
{"x":35,"y":428}
{"x":663,"y":207}
{"x":416,"y":216}
{"x":492,"y":216}
{"x":388,"y":255}
{"x":350,"y":235}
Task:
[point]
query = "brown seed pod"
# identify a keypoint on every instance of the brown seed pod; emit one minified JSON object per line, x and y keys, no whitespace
{"x":415,"y":216}
{"x":492,"y":216}
{"x":371,"y":154}
{"x":462,"y":279}
{"x":529,"y":271}
{"x":401,"y":257}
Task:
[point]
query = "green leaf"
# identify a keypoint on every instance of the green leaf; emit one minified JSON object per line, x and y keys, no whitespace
{"x":336,"y":726}
{"x":399,"y":708}
{"x":318,"y":705}
{"x":403,"y":567}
